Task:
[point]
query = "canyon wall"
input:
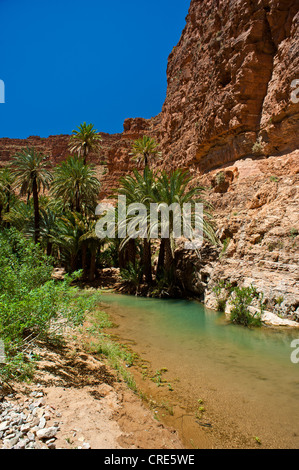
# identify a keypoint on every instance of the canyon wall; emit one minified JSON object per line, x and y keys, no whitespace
{"x":230,"y":83}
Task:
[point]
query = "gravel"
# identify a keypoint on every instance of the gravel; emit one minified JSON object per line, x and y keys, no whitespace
{"x":25,"y":426}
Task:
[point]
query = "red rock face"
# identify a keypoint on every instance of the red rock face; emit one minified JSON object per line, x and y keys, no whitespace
{"x":229,"y":83}
{"x":229,"y":93}
{"x":113,"y":161}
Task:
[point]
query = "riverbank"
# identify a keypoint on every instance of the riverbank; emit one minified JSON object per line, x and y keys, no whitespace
{"x":109,"y":280}
{"x":77,"y":401}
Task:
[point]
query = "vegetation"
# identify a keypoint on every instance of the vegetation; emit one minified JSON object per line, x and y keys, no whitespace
{"x":85,"y":139}
{"x":32,"y":175}
{"x":241,"y":299}
{"x":145,"y":150}
{"x":47,"y":220}
{"x":258,"y":147}
{"x":76,"y":184}
{"x":220,"y":178}
{"x":63,"y":221}
{"x":222,"y":292}
{"x":163,"y":190}
{"x":97,"y":342}
{"x":31,"y":302}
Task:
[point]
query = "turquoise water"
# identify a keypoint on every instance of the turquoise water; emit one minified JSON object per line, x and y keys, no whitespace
{"x":198,"y":344}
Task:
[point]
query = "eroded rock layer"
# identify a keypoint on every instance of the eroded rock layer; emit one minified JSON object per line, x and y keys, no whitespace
{"x":230,"y":83}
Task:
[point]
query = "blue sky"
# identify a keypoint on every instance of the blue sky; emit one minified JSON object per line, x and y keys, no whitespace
{"x":64,"y":62}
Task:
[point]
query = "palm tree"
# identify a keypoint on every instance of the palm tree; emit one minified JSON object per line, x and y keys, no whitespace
{"x":6,"y":191}
{"x":89,"y":239}
{"x":48,"y":227}
{"x":85,"y":140}
{"x":31,"y":173}
{"x":68,"y":238}
{"x":21,"y":216}
{"x":144,"y":150}
{"x":140,"y":189}
{"x":76,"y":184}
{"x":176,"y":188}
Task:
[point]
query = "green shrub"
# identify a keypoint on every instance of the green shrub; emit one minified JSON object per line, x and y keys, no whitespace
{"x":294,"y":232}
{"x":241,"y":300}
{"x":31,"y":302}
{"x":274,"y":179}
{"x":258,"y":147}
{"x":222,"y":291}
{"x":132,"y":275}
{"x":220,"y":178}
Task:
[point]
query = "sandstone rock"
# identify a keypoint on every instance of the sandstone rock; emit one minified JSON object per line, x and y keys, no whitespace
{"x":47,"y":433}
{"x":4,"y":426}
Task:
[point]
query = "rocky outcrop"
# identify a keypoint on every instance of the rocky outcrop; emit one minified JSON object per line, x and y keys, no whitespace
{"x":230,"y":84}
{"x":257,"y":219}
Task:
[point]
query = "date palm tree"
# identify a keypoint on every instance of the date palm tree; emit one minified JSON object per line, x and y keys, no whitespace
{"x":145,"y":150}
{"x":84,"y":140}
{"x":31,"y":176}
{"x":140,"y":189}
{"x":76,"y":184}
{"x":176,"y":189}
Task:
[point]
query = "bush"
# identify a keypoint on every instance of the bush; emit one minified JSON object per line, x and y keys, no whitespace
{"x":220,"y":178}
{"x":132,"y":275}
{"x":241,"y":300}
{"x":31,"y":302}
{"x":222,"y":291}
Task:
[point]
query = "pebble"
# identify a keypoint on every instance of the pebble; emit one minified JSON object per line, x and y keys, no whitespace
{"x":47,"y":433}
{"x":24,"y":426}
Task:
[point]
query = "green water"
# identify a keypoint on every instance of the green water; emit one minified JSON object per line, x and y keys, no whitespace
{"x":199,"y":346}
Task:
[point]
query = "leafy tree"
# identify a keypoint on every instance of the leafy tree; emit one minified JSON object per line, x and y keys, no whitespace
{"x":85,"y":140}
{"x":32,"y":175}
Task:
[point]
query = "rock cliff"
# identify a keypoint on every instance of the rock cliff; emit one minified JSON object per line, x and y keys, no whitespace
{"x":230,"y":83}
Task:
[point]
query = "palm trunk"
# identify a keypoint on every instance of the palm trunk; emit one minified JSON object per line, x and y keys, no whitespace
{"x":73,"y":262}
{"x":160,"y":266}
{"x":84,"y":155}
{"x":84,"y":258}
{"x":36,"y":211}
{"x":169,"y":260}
{"x":93,"y":264}
{"x":49,"y":249}
{"x":130,"y":253}
{"x":77,"y":202}
{"x":147,"y":261}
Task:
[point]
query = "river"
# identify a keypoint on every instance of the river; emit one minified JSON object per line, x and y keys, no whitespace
{"x":230,"y":386}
